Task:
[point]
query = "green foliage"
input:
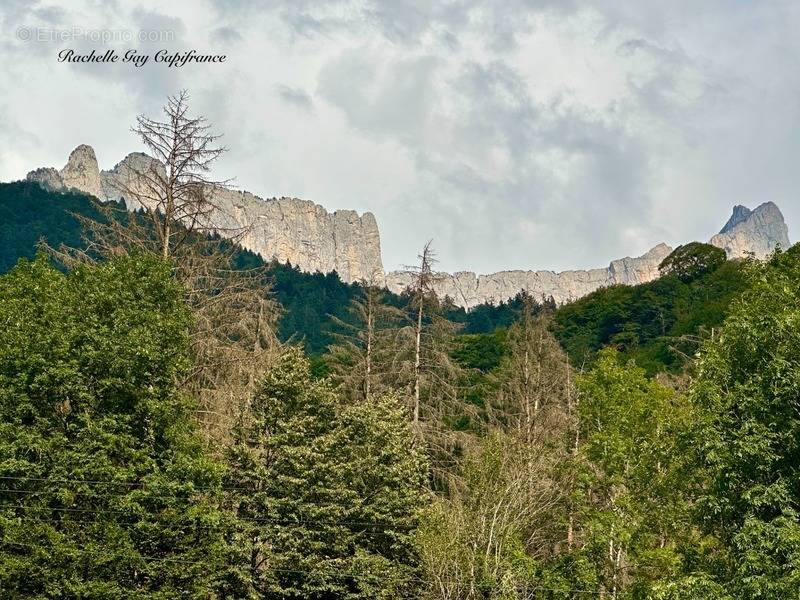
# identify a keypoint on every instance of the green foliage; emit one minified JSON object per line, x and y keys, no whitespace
{"x":28,"y":213}
{"x":106,"y":489}
{"x":476,"y":542}
{"x":630,"y":499}
{"x":692,"y":260}
{"x":481,"y":351}
{"x":328,"y":495}
{"x":312,"y":301}
{"x":658,"y":324}
{"x":749,"y":385}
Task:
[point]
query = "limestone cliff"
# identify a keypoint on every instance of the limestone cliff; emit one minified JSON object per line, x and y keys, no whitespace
{"x":759,"y":232}
{"x":307,"y":235}
{"x":287,"y":229}
{"x":468,"y":289}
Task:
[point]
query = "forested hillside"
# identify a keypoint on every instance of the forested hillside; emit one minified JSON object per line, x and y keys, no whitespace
{"x":30,"y":214}
{"x":180,"y":420}
{"x":659,"y":324}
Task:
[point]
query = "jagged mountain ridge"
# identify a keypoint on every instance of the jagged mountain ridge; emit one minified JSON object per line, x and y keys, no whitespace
{"x":757,"y":232}
{"x":308,"y":236}
{"x":287,"y":229}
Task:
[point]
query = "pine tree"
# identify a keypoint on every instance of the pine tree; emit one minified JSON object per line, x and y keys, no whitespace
{"x":107,"y":491}
{"x":327,"y":497}
{"x":360,"y":359}
{"x":233,"y":331}
{"x":534,"y":379}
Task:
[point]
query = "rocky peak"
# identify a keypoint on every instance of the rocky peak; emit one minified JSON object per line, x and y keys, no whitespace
{"x":740,"y":213}
{"x":81,"y":171}
{"x":308,"y":236}
{"x":757,"y":232}
{"x":117,"y":183}
{"x":286,"y":229}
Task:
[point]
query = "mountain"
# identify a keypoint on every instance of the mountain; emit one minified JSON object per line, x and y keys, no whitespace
{"x":306,"y":235}
{"x":314,"y":304}
{"x":467,"y":289}
{"x":757,"y":231}
{"x":289,"y":230}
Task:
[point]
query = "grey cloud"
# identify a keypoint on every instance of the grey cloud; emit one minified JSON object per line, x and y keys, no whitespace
{"x":227,"y":35}
{"x":689,"y":109}
{"x":296,"y":97}
{"x":393,"y":99}
{"x":496,"y":114}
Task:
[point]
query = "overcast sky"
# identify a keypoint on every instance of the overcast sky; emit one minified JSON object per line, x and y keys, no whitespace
{"x":518,"y":134}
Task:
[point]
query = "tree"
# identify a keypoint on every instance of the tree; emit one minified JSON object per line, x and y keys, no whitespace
{"x":534,"y":378}
{"x":172,"y":186}
{"x":491,"y":534}
{"x":691,"y":260}
{"x":233,"y":335}
{"x":630,"y":497}
{"x":361,"y":357}
{"x":106,"y":489}
{"x":327,"y":496}
{"x":748,"y":385}
{"x":421,"y":293}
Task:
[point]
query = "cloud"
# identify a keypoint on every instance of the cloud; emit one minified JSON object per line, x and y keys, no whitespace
{"x":296,"y":97}
{"x":517,"y":134}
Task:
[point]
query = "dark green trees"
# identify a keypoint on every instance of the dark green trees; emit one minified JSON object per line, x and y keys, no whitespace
{"x":105,"y":490}
{"x":692,"y":260}
{"x":327,"y":495}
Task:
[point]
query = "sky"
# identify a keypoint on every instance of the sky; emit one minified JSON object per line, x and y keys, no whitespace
{"x":516,"y":134}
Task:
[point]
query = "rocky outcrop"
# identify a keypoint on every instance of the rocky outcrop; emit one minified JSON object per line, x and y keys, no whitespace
{"x":80,"y":173}
{"x":469,"y":290}
{"x":308,"y":236}
{"x":286,"y":229}
{"x":756,"y":232}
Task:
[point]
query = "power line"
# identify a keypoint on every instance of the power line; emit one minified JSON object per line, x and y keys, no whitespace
{"x":133,"y":484}
{"x":388,"y":532}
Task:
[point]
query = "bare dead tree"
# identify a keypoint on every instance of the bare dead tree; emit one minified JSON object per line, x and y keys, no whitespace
{"x":360,"y":357}
{"x":173,"y":186}
{"x":421,"y":289}
{"x":534,"y":378}
{"x":233,"y":337}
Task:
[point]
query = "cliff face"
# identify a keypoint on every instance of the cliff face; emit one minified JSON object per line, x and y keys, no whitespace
{"x":287,"y":229}
{"x":468,"y":289}
{"x":758,"y":232}
{"x":308,"y":236}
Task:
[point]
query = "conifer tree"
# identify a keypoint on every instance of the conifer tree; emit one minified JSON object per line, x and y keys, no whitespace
{"x":106,"y":490}
{"x":534,"y":378}
{"x":360,"y":360}
{"x":233,"y":332}
{"x":327,"y":496}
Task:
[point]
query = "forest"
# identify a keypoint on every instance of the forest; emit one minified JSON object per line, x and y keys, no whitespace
{"x":179,"y":419}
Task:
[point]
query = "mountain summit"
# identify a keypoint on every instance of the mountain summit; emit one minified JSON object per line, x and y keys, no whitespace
{"x":308,"y":236}
{"x":290,"y":230}
{"x":759,"y":232}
